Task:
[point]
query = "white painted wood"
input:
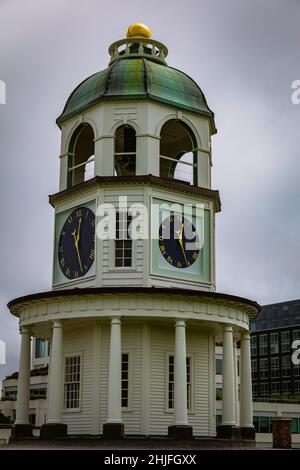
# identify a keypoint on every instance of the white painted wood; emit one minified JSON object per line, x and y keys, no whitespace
{"x":132,"y":343}
{"x":145,"y":379}
{"x":95,"y":425}
{"x":246,"y":412}
{"x":114,"y":414}
{"x":212,"y":385}
{"x":215,"y":311}
{"x":228,"y":378}
{"x":80,"y":340}
{"x":55,"y":394}
{"x":22,"y":411}
{"x":180,"y":384}
{"x":236,"y":385}
{"x":147,"y":117}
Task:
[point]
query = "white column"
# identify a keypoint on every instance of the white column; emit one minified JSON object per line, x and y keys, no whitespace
{"x":23,"y":396}
{"x":104,"y":155}
{"x":55,"y":392}
{"x":228,"y":394}
{"x":63,"y":176}
{"x":246,"y":410}
{"x":203,"y":169}
{"x":114,"y":411}
{"x":180,"y":385}
{"x":236,"y":384}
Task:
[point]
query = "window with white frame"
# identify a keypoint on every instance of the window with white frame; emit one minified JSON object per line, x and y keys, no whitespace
{"x":253,"y":345}
{"x":178,"y":152}
{"x":296,"y":370}
{"x":254,"y":369}
{"x":72,"y":382}
{"x":274,"y":367}
{"x":275,"y":388}
{"x":285,"y":341}
{"x":263,"y":344}
{"x":263,"y":368}
{"x":125,"y":381}
{"x":171,"y":382}
{"x":274,"y":343}
{"x":41,"y":348}
{"x":264,"y":389}
{"x":123,"y":241}
{"x":286,"y":366}
{"x":81,"y":157}
{"x":296,"y":334}
{"x":262,"y":424}
{"x":219,"y":366}
{"x":125,"y":151}
{"x":286,"y":387}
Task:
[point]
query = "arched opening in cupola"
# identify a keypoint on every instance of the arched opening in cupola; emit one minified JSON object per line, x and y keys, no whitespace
{"x":125,"y":151}
{"x":81,"y":155}
{"x":178,"y":155}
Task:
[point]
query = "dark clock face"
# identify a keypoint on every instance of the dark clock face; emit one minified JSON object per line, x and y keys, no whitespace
{"x":178,"y":241}
{"x":76,"y":246}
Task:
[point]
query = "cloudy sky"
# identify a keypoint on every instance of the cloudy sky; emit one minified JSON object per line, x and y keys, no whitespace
{"x":244,"y":54}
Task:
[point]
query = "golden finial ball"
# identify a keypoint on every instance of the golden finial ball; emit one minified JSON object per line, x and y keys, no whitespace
{"x":138,"y":30}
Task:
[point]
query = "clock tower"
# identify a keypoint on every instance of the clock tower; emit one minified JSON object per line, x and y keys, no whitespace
{"x":133,"y":315}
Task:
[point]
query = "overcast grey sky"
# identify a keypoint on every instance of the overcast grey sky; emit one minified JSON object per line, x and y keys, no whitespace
{"x":244,"y":54}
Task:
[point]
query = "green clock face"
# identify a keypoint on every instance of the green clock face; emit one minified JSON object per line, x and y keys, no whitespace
{"x":178,"y":241}
{"x":76,"y":246}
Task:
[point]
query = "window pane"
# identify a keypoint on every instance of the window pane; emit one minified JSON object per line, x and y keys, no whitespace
{"x":219,"y":366}
{"x":285,"y":341}
{"x":171,"y":382}
{"x":72,"y":382}
{"x":253,"y":345}
{"x":263,"y":344}
{"x":40,"y":348}
{"x":125,"y":380}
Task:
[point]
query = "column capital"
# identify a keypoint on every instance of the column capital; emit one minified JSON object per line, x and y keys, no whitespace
{"x":228,"y":329}
{"x":246,"y":336}
{"x":25,"y":330}
{"x":115,"y":320}
{"x":180,"y":322}
{"x":57,"y":324}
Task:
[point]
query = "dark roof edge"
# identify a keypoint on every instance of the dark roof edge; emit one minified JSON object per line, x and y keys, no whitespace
{"x":133,"y":290}
{"x":141,"y":179}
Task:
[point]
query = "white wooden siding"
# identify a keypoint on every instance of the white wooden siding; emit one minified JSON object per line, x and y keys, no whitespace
{"x":162,"y":343}
{"x":131,"y":343}
{"x":115,"y":277}
{"x":80,"y":340}
{"x":104,"y":358}
{"x":94,"y":388}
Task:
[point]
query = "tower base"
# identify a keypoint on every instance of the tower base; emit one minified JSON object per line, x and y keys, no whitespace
{"x":53,"y":430}
{"x":19,"y":431}
{"x":181,"y":432}
{"x":228,"y":431}
{"x":113,"y":431}
{"x":248,"y":433}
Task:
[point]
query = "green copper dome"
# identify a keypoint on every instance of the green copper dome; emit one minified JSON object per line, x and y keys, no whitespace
{"x":138,"y":78}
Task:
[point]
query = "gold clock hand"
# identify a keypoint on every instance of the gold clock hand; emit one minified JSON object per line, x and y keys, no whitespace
{"x":183,"y":251}
{"x":76,"y":240}
{"x":78,"y":255}
{"x":78,"y":230}
{"x":181,"y":243}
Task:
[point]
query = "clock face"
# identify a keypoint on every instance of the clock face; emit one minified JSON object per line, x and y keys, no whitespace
{"x":76,"y":246}
{"x":178,"y":241}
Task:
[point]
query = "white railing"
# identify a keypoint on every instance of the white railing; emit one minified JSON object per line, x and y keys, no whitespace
{"x":138,"y":47}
